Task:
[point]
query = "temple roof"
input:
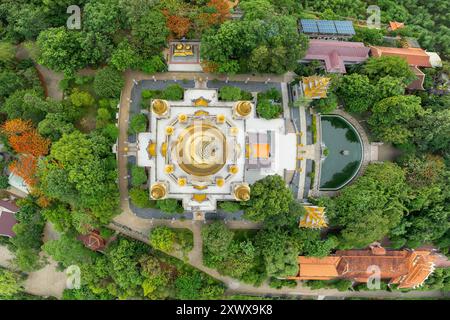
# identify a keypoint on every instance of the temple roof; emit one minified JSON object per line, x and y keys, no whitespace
{"x":414,"y":56}
{"x":408,"y":269}
{"x":336,"y":53}
{"x":7,"y":222}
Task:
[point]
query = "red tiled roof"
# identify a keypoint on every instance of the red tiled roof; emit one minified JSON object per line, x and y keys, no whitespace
{"x":7,"y":221}
{"x":408,"y":269}
{"x":414,"y":56}
{"x":9,"y":205}
{"x":93,"y":241}
{"x":336,"y":53}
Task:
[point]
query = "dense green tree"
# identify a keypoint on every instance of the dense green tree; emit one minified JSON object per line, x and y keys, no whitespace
{"x":369,"y":208}
{"x":390,"y":120}
{"x":124,"y":257}
{"x":81,"y":98}
{"x":273,"y":45}
{"x":10,"y":283}
{"x":230,"y":206}
{"x":162,"y":238}
{"x":216,"y":240}
{"x":389,"y":86}
{"x":102,"y":17}
{"x":60,"y":50}
{"x":108,"y":83}
{"x":28,"y":240}
{"x":356,"y":92}
{"x":150,"y":33}
{"x":68,"y":250}
{"x":153,"y":64}
{"x":432,"y":132}
{"x":124,"y":57}
{"x":396,"y":67}
{"x":80,"y":171}
{"x":370,"y":36}
{"x":54,"y":126}
{"x":326,"y":105}
{"x":269,"y":196}
{"x":60,"y":217}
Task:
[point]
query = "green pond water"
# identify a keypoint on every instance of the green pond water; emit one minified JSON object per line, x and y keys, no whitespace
{"x":344,"y":152}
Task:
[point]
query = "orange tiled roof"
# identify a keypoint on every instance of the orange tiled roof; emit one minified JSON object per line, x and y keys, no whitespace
{"x":317,"y":268}
{"x":396,"y":25}
{"x":414,"y":56}
{"x":408,"y":269}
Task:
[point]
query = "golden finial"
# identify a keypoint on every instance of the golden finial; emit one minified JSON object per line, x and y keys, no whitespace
{"x":233,"y":169}
{"x":243,"y":108}
{"x":242,"y":192}
{"x":158,"y":191}
{"x":160,"y":107}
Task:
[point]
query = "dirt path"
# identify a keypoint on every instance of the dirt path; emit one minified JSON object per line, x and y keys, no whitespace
{"x":45,"y":282}
{"x":49,"y":77}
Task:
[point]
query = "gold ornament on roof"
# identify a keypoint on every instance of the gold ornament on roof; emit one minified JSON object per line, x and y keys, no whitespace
{"x":220,"y":182}
{"x":168,"y":169}
{"x":242,"y":192}
{"x":151,"y":149}
{"x":234,"y":131}
{"x":220,"y":118}
{"x":160,"y":107}
{"x":158,"y":191}
{"x":182,"y":117}
{"x":169,"y":130}
{"x":164,"y":149}
{"x":233,"y":169}
{"x":243,"y":108}
{"x":201,"y":102}
{"x":182,"y":181}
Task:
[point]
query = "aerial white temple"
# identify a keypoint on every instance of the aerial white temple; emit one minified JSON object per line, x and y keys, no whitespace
{"x":202,"y":150}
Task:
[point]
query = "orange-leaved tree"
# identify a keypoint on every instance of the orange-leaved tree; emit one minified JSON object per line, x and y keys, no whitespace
{"x":29,"y":144}
{"x":179,"y":26}
{"x":25,"y":167}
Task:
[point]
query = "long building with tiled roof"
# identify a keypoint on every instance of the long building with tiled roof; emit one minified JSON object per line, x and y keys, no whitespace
{"x":407,"y":269}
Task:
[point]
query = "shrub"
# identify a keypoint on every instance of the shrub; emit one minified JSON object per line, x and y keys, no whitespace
{"x":228,"y":93}
{"x":230,"y":206}
{"x":141,"y":198}
{"x":280,"y":283}
{"x":169,"y":206}
{"x":153,"y":65}
{"x":81,"y":98}
{"x":138,"y":176}
{"x":174,"y":92}
{"x":267,"y":109}
{"x":138,"y":123}
{"x":271,"y":94}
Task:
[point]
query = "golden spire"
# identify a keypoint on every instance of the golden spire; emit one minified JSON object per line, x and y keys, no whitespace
{"x":158,"y":191}
{"x":242,"y":192}
{"x":160,"y":107}
{"x":243,"y":108}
